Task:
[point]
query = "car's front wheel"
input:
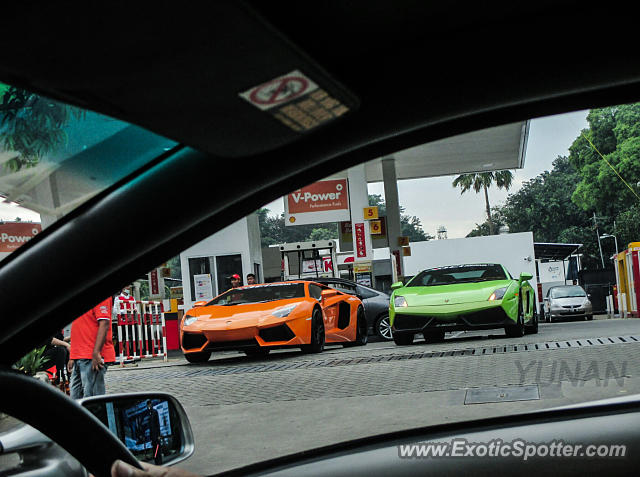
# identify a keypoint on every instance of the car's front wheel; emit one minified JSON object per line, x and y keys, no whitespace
{"x":383,"y":328}
{"x":532,"y":329}
{"x":201,"y":357}
{"x":517,"y":330}
{"x":403,"y":339}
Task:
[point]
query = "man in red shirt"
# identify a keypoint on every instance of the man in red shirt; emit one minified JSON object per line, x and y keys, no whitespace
{"x":91,"y":348}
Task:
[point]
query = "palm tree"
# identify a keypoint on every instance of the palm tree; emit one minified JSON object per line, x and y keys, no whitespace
{"x":483,"y":180}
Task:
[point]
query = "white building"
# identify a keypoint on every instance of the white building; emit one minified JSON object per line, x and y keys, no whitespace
{"x":234,"y":249}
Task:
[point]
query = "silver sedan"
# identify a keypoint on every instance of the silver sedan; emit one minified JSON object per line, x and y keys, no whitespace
{"x":569,"y":301}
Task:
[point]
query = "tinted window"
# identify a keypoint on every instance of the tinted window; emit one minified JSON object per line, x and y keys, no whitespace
{"x":343,"y":287}
{"x":567,"y":292}
{"x":458,"y":274}
{"x":366,"y":293}
{"x":260,"y":293}
{"x":315,"y":291}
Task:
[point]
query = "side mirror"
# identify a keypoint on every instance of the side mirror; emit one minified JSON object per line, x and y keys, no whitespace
{"x":153,"y":426}
{"x":525,"y":276}
{"x":396,"y":285}
{"x":328,"y":293}
{"x":199,"y":303}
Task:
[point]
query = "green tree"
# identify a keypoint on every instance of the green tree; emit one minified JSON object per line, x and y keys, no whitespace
{"x":543,"y":204}
{"x":274,"y":231}
{"x":482,"y":229}
{"x":483,"y":181}
{"x":323,"y":234}
{"x":627,"y":226}
{"x":615,"y":133}
{"x":31,"y":125}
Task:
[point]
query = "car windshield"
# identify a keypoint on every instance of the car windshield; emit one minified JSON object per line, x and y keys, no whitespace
{"x":255,"y":387}
{"x":259,"y":294}
{"x":457,"y":274}
{"x":568,"y":292}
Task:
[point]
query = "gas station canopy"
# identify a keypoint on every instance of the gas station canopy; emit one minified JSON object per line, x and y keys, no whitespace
{"x":492,"y":149}
{"x":555,"y":251}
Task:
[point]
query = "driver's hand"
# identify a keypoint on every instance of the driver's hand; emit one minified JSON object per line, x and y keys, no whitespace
{"x":122,"y":469}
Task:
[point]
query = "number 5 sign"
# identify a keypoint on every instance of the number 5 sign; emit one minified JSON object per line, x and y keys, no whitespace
{"x":370,"y":213}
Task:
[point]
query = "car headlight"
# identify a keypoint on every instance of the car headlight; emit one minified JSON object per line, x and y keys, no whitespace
{"x":189,"y":320}
{"x":498,"y":294}
{"x":284,"y":311}
{"x":399,"y":301}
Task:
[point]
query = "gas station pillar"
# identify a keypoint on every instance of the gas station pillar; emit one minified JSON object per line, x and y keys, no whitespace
{"x":362,"y":245}
{"x":394,"y":229}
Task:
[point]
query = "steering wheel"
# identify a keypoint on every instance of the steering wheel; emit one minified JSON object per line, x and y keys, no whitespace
{"x":44,"y":407}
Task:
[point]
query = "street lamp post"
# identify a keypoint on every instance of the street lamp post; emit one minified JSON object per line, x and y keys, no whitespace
{"x":614,"y":238}
{"x":603,"y":236}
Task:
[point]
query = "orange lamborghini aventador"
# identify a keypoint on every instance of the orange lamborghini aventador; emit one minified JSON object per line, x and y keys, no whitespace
{"x":258,"y":318}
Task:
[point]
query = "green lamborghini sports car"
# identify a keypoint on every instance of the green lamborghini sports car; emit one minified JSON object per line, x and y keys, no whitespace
{"x":462,"y":297}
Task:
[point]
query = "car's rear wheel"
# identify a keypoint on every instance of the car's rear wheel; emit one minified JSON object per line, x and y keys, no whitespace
{"x":201,"y":357}
{"x":434,"y":336}
{"x":383,"y":328}
{"x":403,"y":339}
{"x":317,"y":334}
{"x":517,"y":330}
{"x":361,"y":330}
{"x":256,"y":352}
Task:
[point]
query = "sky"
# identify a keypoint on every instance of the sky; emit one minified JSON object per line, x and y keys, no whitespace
{"x":434,"y":200}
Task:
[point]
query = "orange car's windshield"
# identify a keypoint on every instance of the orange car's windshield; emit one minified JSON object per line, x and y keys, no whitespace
{"x":259,"y":294}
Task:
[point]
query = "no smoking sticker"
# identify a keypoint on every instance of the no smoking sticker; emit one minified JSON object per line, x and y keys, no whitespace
{"x":279,"y":90}
{"x":296,"y":101}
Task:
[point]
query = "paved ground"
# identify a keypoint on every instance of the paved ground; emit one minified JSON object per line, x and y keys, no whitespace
{"x":245,"y":410}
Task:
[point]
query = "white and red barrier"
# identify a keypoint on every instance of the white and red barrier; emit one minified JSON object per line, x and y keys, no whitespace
{"x":141,"y":331}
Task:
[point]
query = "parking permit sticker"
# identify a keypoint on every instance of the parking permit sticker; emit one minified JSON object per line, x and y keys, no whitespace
{"x":296,"y":101}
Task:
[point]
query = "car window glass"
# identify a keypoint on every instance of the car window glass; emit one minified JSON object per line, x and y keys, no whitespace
{"x":365,"y":292}
{"x":458,"y":274}
{"x":242,"y":378}
{"x":343,"y":287}
{"x":315,"y":291}
{"x":54,"y":157}
{"x":568,"y":292}
{"x":259,"y":294}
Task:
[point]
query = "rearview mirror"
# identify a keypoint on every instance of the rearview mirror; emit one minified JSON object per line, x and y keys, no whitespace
{"x":153,"y":426}
{"x":199,"y":303}
{"x":396,"y":285}
{"x":525,"y":276}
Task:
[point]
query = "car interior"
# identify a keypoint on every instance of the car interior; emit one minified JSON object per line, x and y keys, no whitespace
{"x":403,"y":73}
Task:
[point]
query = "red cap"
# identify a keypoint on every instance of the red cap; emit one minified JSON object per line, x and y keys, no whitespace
{"x":236,"y":276}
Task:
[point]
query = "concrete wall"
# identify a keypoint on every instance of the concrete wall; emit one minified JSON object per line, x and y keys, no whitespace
{"x":255,"y":249}
{"x":514,"y":251}
{"x":232,"y":240}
